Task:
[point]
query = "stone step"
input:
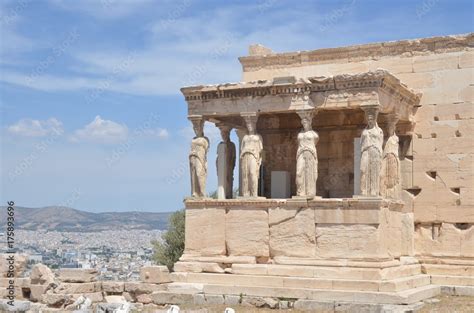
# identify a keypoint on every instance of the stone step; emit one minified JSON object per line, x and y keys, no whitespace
{"x":404,"y":297}
{"x":446,"y":280}
{"x":398,"y":284}
{"x":328,"y":272}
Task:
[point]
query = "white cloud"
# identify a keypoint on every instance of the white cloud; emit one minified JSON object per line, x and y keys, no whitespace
{"x":101,"y":131}
{"x":161,"y":133}
{"x":36,"y":128}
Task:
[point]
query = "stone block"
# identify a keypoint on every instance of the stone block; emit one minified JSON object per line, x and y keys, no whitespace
{"x":113,"y":286}
{"x":436,"y":62}
{"x":454,"y":111}
{"x":72,"y":288}
{"x":37,"y":291}
{"x":55,"y":300}
{"x":418,"y":80}
{"x":232,"y":300}
{"x":407,"y":234}
{"x":466,"y":59}
{"x":198,"y":267}
{"x":214,"y":299}
{"x":164,"y":297}
{"x":155,"y":274}
{"x":141,"y":288}
{"x":347,"y":241}
{"x":250,"y":269}
{"x":292,"y":232}
{"x":310,"y":283}
{"x":144,"y":298}
{"x":314,"y":306}
{"x":287,"y":270}
{"x":79,"y":275}
{"x":357,"y":285}
{"x":448,"y":270}
{"x":247,"y":232}
{"x":458,"y":290}
{"x":41,"y":274}
{"x":184,"y":288}
{"x":202,"y":237}
{"x":446,"y":280}
{"x":395,"y":65}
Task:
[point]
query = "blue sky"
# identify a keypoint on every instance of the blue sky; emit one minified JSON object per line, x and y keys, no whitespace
{"x":91,"y":112}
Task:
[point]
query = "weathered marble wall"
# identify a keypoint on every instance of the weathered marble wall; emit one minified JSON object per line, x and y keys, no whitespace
{"x":323,"y":229}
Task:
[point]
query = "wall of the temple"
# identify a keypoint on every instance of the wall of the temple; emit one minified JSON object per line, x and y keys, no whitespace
{"x":438,"y":173}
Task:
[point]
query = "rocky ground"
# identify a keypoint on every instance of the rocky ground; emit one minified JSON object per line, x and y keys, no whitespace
{"x":449,"y":304}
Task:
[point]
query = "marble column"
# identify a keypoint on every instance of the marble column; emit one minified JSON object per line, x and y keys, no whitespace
{"x":225,"y":163}
{"x":251,"y":156}
{"x":390,"y":178}
{"x":198,"y":158}
{"x":371,"y":142}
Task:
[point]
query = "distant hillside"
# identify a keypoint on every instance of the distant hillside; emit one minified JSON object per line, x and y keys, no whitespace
{"x":68,"y":219}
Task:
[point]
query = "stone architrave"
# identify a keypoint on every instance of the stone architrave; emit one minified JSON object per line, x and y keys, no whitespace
{"x":251,"y":157}
{"x":198,"y":158}
{"x":371,"y":142}
{"x":306,"y":157}
{"x":390,"y":179}
{"x":225,"y":163}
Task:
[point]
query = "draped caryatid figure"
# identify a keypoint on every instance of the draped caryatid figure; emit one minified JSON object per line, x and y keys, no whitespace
{"x":390,"y":183}
{"x":225,"y":163}
{"x":198,"y":159}
{"x":371,"y":155}
{"x":251,"y":158}
{"x":306,"y":157}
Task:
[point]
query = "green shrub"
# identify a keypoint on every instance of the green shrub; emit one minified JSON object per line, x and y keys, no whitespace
{"x":169,"y":250}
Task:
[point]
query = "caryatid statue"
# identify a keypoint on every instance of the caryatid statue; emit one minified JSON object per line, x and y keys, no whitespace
{"x":371,"y":142}
{"x":306,"y":157}
{"x":251,"y":158}
{"x":198,"y":158}
{"x":390,"y":177}
{"x":225,"y":164}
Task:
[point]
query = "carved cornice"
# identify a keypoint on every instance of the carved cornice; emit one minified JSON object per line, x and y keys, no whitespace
{"x":359,"y":52}
{"x":301,"y":89}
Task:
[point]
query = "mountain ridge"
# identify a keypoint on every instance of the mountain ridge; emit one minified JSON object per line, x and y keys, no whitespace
{"x":61,"y":218}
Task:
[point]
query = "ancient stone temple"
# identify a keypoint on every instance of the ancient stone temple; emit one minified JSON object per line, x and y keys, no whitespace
{"x":355,"y":174}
